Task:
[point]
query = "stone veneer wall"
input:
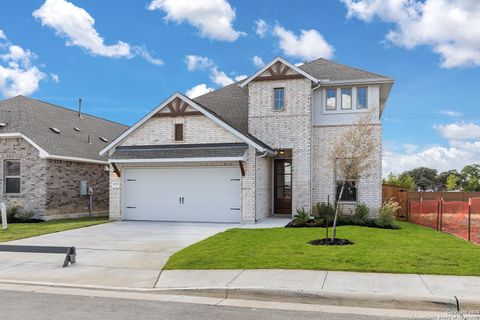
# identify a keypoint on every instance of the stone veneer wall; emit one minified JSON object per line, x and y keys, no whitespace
{"x":288,"y":129}
{"x":369,"y":188}
{"x":33,"y":175}
{"x":63,"y":188}
{"x":196,"y":129}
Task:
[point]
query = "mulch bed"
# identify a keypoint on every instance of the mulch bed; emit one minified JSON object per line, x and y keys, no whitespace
{"x":329,"y":242}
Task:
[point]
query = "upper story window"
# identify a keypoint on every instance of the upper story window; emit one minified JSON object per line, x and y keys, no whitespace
{"x":178,"y":131}
{"x":346,"y":98}
{"x":362,"y":97}
{"x":12,"y":176}
{"x":279,"y":99}
{"x":331,"y":99}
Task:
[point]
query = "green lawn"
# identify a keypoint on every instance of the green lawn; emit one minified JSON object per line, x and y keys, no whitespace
{"x":26,"y":230}
{"x":412,"y":249}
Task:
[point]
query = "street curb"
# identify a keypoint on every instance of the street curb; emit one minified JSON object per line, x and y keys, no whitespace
{"x":346,"y":299}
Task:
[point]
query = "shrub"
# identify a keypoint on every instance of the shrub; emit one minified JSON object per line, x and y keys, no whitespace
{"x":386,"y":214}
{"x":360,"y":216}
{"x":325,"y":211}
{"x":24,"y":216}
{"x":302,"y":216}
{"x":12,"y":212}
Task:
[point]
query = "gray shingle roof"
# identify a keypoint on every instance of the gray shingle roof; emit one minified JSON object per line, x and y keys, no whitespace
{"x":333,"y":71}
{"x":218,"y":150}
{"x":34,"y":119}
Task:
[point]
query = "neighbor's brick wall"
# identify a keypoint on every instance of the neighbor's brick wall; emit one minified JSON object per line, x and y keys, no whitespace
{"x":63,"y":188}
{"x":33,"y":175}
{"x":196,"y":129}
{"x":288,"y":129}
{"x":369,"y":188}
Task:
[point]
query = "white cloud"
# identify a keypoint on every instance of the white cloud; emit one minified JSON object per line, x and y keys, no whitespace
{"x":261,"y":28}
{"x":77,"y":25}
{"x":258,"y":61}
{"x":217,"y":76}
{"x":213,"y":18}
{"x":463,"y":147}
{"x":198,"y":90}
{"x":55,"y":77}
{"x":310,"y":44}
{"x":450,"y":27}
{"x":241,"y":77}
{"x":195,"y":62}
{"x":459,"y":131}
{"x":2,"y":34}
{"x":450,"y":113}
{"x":18,"y":75}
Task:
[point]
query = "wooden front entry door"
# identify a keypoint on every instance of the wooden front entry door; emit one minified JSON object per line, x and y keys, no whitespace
{"x":282,"y":186}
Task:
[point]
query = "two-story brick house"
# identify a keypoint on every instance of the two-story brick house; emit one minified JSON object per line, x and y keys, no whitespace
{"x":249,"y":150}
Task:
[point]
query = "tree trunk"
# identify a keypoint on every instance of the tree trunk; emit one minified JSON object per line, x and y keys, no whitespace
{"x":337,"y":207}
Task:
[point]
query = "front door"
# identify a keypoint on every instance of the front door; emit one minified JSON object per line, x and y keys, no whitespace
{"x":282,"y":186}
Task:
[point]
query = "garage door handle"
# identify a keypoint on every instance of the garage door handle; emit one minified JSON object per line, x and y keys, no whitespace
{"x":183,"y":200}
{"x":131,"y":207}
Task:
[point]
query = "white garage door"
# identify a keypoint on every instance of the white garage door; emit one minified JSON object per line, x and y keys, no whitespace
{"x":206,"y":194}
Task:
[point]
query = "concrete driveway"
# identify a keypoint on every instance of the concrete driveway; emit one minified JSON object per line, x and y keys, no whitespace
{"x":121,"y":254}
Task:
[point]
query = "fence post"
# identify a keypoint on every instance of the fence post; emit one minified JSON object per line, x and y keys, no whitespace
{"x":469,"y":213}
{"x":441,"y":214}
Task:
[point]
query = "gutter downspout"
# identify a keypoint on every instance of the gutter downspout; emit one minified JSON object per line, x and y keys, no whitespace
{"x":311,"y":144}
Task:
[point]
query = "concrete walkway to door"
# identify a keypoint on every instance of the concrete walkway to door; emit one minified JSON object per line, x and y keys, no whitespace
{"x":120,"y":254}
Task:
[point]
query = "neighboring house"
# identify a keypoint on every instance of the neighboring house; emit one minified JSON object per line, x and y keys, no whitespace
{"x":45,"y":153}
{"x":249,"y":150}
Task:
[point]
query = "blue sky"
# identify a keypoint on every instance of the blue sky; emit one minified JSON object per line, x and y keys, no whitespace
{"x":434,"y":55}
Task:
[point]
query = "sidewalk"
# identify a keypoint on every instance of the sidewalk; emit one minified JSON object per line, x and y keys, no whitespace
{"x":342,"y":288}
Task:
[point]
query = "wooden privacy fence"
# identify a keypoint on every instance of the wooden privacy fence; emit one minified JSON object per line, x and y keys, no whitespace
{"x":461,"y":218}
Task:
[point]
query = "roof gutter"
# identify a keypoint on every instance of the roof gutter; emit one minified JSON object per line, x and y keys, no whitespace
{"x":369,"y":81}
{"x":45,"y":155}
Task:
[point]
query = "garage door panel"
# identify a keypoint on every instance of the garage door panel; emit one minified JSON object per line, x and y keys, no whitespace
{"x":207,"y":194}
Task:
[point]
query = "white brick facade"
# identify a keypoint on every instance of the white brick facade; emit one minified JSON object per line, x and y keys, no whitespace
{"x":197,"y":129}
{"x":301,"y":127}
{"x":324,"y":184}
{"x":288,"y":129}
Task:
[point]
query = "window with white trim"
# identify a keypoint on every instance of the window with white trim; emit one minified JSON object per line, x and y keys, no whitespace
{"x":279,"y":99}
{"x":362,"y":97}
{"x":12,"y":177}
{"x":346,"y":98}
{"x":331,"y":98}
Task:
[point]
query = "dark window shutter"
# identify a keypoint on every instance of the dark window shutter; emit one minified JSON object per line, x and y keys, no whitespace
{"x":179,"y":132}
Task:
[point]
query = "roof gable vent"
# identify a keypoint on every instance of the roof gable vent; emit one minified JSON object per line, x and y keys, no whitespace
{"x":103,"y":139}
{"x":76,"y":129}
{"x":55,"y":130}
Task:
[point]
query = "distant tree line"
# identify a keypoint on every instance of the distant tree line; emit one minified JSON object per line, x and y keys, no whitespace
{"x":427,"y":179}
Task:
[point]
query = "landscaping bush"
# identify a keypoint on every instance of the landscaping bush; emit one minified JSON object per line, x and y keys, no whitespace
{"x":302,"y":216}
{"x":386,"y":215}
{"x":361,"y":214}
{"x":326,"y":212}
{"x":16,"y":214}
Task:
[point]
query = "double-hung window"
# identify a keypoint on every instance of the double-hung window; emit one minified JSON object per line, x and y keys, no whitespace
{"x":362,"y":98}
{"x":279,"y":99}
{"x":12,"y":176}
{"x":178,"y":132}
{"x":346,"y":98}
{"x":331,"y":99}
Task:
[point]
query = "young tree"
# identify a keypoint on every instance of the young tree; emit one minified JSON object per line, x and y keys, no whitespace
{"x":452,"y":182}
{"x":350,"y":156}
